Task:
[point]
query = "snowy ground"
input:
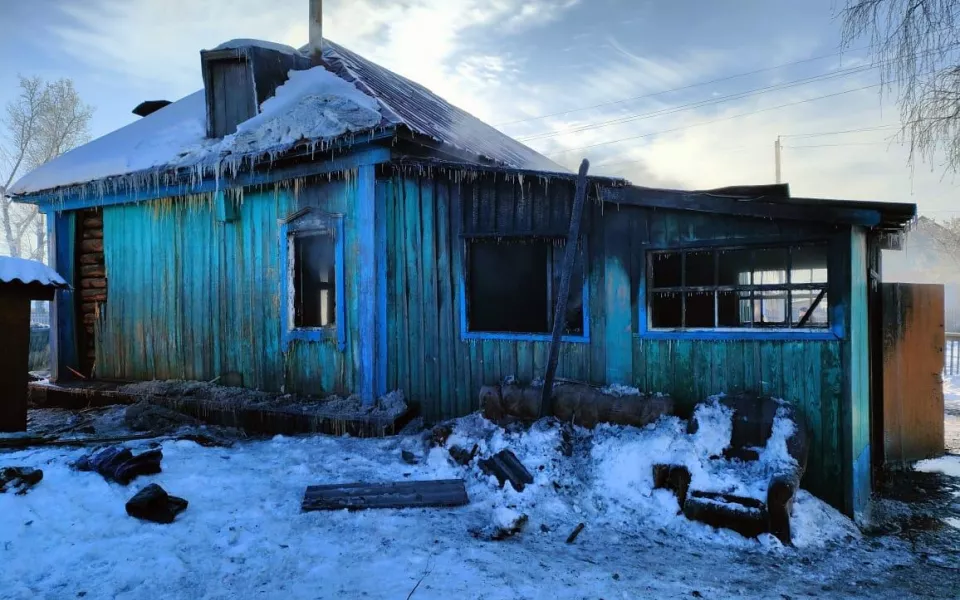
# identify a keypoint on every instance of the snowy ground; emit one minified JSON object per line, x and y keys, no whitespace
{"x":243,"y":535}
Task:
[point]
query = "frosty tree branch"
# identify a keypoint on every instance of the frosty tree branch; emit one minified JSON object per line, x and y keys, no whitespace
{"x":45,"y":120}
{"x":916,"y":45}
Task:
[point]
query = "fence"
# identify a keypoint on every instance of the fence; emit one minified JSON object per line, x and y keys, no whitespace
{"x":951,"y":355}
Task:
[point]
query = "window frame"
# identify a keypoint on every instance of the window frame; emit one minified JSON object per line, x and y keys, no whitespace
{"x":311,"y":221}
{"x":832,"y":331}
{"x":464,"y":282}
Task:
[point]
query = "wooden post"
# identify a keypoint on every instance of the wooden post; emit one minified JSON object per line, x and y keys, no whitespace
{"x":15,"y":323}
{"x":560,"y":313}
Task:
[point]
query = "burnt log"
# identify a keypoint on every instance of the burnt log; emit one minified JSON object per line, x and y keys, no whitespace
{"x":95,"y":245}
{"x":746,"y":516}
{"x":93,"y":282}
{"x":92,"y":234}
{"x":93,"y":271}
{"x":93,"y":295}
{"x":91,"y":258}
{"x":92,"y":223}
{"x":577,"y":403}
{"x":505,"y":466}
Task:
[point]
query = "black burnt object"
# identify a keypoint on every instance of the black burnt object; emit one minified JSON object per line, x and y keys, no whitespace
{"x":119,"y":464}
{"x":153,"y":503}
{"x":19,"y":479}
{"x":505,"y":466}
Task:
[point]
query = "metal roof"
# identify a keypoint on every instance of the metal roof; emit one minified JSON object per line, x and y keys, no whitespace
{"x":425,"y":113}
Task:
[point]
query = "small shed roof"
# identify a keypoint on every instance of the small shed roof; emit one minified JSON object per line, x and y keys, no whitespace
{"x":27,"y":272}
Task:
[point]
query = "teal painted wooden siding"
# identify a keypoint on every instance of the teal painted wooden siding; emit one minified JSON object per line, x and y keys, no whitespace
{"x":857,"y":418}
{"x":443,"y":373}
{"x":192,"y":297}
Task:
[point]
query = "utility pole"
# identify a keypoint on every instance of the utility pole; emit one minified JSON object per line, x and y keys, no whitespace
{"x":776,"y":157}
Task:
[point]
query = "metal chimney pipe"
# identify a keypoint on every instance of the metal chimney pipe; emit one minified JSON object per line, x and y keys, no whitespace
{"x":316,"y":31}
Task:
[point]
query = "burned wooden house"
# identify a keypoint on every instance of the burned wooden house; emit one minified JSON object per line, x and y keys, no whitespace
{"x":326,"y":226}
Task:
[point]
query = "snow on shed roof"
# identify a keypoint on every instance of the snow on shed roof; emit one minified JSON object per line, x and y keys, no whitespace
{"x":175,"y":136}
{"x":28,"y":271}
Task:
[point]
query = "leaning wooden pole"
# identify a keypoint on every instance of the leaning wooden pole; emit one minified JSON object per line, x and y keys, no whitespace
{"x":560,"y":312}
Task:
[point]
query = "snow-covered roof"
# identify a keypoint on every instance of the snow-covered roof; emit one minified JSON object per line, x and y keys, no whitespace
{"x":350,"y":95}
{"x":28,"y":271}
{"x":247,"y":43}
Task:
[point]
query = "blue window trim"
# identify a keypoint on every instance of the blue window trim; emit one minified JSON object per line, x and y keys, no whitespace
{"x":467,"y":335}
{"x":336,"y":332}
{"x":832,"y":333}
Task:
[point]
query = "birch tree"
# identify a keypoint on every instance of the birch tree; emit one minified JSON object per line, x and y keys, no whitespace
{"x":916,"y":45}
{"x":45,"y":120}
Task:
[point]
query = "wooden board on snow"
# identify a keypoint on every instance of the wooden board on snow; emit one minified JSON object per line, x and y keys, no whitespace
{"x":399,"y":494}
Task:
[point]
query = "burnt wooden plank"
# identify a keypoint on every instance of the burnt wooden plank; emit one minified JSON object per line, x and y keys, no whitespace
{"x":717,"y":204}
{"x":401,"y":494}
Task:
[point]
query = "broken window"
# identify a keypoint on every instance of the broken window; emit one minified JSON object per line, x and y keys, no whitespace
{"x":314,"y":278}
{"x":313,"y":302}
{"x":775,"y":287}
{"x":512,"y":286}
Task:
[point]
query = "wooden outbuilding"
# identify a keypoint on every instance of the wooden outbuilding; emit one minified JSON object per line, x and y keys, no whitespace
{"x":21,"y":282}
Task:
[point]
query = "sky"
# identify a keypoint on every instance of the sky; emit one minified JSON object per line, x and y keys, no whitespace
{"x":672,"y":93}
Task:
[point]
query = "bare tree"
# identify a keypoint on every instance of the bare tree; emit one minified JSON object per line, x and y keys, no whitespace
{"x":45,"y":120}
{"x":916,"y":45}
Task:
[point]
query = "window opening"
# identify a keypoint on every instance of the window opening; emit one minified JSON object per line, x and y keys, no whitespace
{"x":512,"y":283}
{"x":773,"y":287}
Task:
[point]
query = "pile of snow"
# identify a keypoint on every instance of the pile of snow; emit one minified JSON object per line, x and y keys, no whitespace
{"x":609,"y":480}
{"x":947,"y":465}
{"x":313,"y":105}
{"x":28,"y":271}
{"x":620,"y":390}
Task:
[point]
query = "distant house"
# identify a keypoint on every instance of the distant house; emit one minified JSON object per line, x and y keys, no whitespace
{"x":342,"y":229}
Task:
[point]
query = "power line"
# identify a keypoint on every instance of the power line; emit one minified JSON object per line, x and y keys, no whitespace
{"x":746,"y":114}
{"x":710,"y":101}
{"x":824,"y":133}
{"x":700,"y":103}
{"x":836,"y":145}
{"x":686,"y":87}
